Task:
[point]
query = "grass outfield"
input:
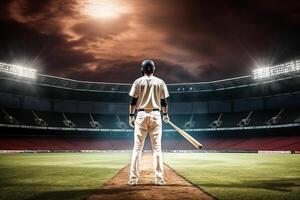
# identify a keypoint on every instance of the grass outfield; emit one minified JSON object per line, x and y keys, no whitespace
{"x":56,"y":175}
{"x":241,"y":176}
{"x":76,"y":175}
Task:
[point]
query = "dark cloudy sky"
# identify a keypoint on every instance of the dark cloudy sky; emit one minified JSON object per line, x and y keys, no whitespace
{"x":106,"y":40}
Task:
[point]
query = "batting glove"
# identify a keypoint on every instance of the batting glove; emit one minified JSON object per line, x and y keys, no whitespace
{"x":166,"y":118}
{"x":131,"y":120}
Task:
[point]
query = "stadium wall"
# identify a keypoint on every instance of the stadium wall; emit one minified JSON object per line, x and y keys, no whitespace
{"x":280,"y":139}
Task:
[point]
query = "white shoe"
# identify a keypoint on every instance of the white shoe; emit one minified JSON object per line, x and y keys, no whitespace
{"x":159,"y":182}
{"x":133,"y":181}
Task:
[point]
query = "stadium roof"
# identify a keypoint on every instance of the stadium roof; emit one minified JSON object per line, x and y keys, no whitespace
{"x":239,"y":87}
{"x":281,"y":79}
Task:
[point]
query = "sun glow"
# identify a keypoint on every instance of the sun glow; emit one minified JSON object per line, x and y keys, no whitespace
{"x":103,"y":9}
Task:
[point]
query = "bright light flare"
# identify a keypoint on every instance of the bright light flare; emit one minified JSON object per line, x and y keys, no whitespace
{"x":267,"y":72}
{"x":263,"y":72}
{"x":18,"y":70}
{"x":105,"y":9}
{"x":101,"y":11}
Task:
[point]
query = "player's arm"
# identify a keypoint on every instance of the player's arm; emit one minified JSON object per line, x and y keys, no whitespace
{"x":164,"y":105}
{"x":133,"y":94}
{"x":132,"y":107}
{"x":163,"y":102}
{"x":164,"y":108}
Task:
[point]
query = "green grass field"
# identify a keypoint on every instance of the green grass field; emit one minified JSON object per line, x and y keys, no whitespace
{"x":241,"y":176}
{"x":77,"y":175}
{"x":59,"y":176}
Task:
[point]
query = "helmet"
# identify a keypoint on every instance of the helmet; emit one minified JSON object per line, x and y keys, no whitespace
{"x":148,"y":66}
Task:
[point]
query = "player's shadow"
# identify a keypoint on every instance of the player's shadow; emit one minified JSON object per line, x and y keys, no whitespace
{"x":117,"y":191}
{"x":65,"y":194}
{"x":84,"y":194}
{"x":282,"y":185}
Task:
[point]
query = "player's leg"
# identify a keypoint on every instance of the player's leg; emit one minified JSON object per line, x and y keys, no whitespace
{"x":155,"y":133}
{"x":140,"y":134}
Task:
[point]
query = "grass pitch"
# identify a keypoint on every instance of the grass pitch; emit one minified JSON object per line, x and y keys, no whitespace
{"x":241,"y":176}
{"x":59,"y":176}
{"x":69,"y":176}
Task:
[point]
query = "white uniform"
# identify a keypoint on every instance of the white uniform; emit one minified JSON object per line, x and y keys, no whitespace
{"x":149,"y":90}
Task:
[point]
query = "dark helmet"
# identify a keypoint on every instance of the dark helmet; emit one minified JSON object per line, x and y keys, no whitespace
{"x":148,"y":66}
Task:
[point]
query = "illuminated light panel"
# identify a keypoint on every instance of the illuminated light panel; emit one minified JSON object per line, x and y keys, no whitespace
{"x":263,"y":72}
{"x":267,"y":72}
{"x":18,"y":70}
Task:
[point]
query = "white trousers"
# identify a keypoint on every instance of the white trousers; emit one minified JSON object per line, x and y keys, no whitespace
{"x":147,"y":122}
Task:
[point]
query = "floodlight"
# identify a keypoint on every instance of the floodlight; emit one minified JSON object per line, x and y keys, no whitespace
{"x":263,"y":72}
{"x":267,"y":72}
{"x":17,"y":70}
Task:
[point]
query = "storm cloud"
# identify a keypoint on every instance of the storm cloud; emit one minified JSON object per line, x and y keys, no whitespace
{"x":189,"y":40}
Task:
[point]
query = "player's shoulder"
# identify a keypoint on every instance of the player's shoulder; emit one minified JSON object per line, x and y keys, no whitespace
{"x":138,"y":80}
{"x":159,"y":80}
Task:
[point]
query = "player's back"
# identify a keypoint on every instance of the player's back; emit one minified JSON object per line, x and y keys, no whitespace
{"x":149,"y":90}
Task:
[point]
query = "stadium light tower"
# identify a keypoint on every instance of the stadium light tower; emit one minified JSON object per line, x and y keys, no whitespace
{"x":18,"y":70}
{"x":268,"y":72}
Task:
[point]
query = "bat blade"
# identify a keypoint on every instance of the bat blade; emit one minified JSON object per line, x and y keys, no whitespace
{"x":187,"y":136}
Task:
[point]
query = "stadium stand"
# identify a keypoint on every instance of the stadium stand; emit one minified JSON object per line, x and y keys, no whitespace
{"x":53,"y":113}
{"x":55,"y":119}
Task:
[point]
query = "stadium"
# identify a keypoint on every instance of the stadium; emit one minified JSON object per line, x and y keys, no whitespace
{"x":249,"y":128}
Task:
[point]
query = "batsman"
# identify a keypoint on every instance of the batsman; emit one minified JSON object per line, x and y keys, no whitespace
{"x":148,"y":97}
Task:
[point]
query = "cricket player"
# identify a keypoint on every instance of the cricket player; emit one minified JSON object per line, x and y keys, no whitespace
{"x":148,"y":96}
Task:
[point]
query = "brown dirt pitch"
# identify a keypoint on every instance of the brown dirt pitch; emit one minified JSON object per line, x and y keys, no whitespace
{"x":177,"y":187}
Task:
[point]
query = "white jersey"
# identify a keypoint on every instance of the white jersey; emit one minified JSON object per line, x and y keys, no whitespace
{"x":149,"y":90}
